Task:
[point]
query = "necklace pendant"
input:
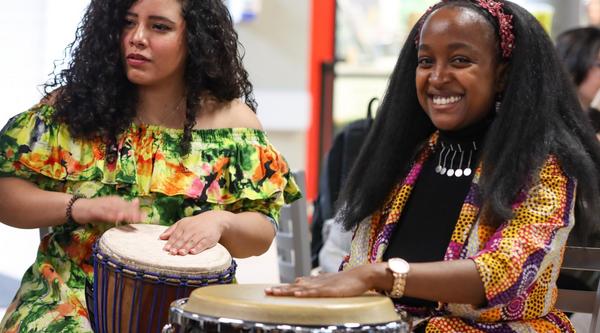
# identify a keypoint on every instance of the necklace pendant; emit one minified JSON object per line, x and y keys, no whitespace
{"x":450,"y":172}
{"x":468,"y":172}
{"x":458,"y":173}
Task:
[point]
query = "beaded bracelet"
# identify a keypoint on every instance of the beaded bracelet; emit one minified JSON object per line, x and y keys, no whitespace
{"x":69,"y":212}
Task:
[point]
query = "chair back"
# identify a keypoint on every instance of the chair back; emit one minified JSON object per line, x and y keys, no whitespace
{"x":582,"y":301}
{"x":293,"y":240}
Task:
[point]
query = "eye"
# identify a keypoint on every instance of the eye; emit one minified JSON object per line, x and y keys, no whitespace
{"x":424,"y":62}
{"x":161,"y":27}
{"x":461,"y":61}
{"x":129,"y":23}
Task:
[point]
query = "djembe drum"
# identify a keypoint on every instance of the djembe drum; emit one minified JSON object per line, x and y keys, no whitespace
{"x":246,"y":308}
{"x":135,"y":280}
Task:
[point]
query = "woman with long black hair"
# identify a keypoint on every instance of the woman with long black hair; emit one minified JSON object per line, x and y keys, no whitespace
{"x":463,"y":197}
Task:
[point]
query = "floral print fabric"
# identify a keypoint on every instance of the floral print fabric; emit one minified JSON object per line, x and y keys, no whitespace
{"x":227,"y":169}
{"x":518,"y":262}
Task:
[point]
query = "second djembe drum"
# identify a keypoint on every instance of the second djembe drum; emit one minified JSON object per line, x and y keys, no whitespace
{"x":245,"y":308}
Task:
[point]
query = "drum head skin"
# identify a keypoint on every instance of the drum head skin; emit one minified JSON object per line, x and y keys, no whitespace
{"x":138,"y":246}
{"x":248,"y":302}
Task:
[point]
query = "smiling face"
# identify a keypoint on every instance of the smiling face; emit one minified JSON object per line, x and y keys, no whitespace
{"x":458,"y":73}
{"x":153,"y":42}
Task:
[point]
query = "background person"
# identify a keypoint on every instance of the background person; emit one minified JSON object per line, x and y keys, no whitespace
{"x":579,"y":49}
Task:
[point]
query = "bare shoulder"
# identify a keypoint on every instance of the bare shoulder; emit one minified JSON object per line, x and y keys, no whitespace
{"x":50,"y":98}
{"x":232,"y":114}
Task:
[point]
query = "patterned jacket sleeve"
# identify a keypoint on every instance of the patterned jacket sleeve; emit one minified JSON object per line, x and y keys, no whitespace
{"x":520,"y":262}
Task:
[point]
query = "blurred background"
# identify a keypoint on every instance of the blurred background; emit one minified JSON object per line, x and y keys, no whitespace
{"x":314,"y":64}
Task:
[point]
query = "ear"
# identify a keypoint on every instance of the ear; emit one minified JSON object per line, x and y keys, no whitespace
{"x":501,"y":74}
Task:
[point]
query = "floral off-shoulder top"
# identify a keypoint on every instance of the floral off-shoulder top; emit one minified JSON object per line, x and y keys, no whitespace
{"x":233,"y":169}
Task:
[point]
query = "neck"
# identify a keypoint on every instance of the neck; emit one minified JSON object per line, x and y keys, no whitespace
{"x":473,"y":132}
{"x":163,"y":105}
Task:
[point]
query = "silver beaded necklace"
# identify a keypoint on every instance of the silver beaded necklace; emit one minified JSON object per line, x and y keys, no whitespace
{"x":462,"y":170}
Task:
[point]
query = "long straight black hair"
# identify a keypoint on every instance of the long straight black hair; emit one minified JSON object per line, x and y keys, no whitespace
{"x":539,"y":115}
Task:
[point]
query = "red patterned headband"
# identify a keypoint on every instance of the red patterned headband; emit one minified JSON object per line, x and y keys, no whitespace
{"x":507,"y":37}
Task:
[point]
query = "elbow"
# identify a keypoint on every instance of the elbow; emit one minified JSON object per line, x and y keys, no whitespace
{"x":19,"y":224}
{"x":256,"y":249}
{"x":252,"y":247}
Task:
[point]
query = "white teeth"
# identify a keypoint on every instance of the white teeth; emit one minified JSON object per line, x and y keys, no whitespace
{"x":446,"y":100}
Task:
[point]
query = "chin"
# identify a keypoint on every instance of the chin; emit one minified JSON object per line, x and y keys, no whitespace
{"x":445,"y":124}
{"x":138,"y":80}
{"x":446,"y":128}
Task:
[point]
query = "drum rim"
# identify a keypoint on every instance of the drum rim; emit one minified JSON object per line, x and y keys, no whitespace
{"x":176,"y":310}
{"x":200,"y":279}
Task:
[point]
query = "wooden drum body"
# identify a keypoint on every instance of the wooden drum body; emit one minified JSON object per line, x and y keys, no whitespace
{"x":245,"y":308}
{"x":135,"y":280}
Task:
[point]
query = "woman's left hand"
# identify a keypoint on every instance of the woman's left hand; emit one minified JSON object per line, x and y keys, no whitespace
{"x":194,"y":234}
{"x":353,"y":282}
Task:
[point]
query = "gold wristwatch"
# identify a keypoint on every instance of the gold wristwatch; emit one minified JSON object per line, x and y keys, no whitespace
{"x":399,"y":268}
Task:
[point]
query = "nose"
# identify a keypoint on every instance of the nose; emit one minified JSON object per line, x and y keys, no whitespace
{"x":138,"y":37}
{"x":439,"y":74}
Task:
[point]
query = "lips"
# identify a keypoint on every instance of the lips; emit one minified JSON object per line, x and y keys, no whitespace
{"x":136,"y":59}
{"x":137,"y":56}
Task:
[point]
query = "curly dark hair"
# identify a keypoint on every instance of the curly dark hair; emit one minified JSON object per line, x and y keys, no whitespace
{"x":96,"y":100}
{"x":539,"y":115}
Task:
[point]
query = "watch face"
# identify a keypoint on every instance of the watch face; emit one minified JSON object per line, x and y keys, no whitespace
{"x":398,"y":265}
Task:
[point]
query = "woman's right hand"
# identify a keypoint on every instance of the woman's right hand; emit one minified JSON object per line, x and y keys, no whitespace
{"x":110,"y":209}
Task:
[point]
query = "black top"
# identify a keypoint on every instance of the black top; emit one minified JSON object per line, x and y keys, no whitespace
{"x":429,"y":217}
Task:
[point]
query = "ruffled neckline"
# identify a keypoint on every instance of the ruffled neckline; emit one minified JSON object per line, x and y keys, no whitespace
{"x":203,"y":132}
{"x":224,"y":164}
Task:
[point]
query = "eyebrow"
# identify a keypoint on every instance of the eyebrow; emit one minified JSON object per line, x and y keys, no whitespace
{"x":153,"y":17}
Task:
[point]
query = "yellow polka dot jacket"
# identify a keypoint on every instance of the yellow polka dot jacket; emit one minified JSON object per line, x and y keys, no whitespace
{"x":518,"y":262}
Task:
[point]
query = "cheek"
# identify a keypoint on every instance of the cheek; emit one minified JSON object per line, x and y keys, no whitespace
{"x":124,"y":45}
{"x":124,"y":40}
{"x":591,"y":85}
{"x":170,"y":50}
{"x":421,"y":87}
{"x":595,"y":78}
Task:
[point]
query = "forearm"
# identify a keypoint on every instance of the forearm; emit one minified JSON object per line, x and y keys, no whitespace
{"x":23,"y":205}
{"x":454,"y":281}
{"x":247,"y":234}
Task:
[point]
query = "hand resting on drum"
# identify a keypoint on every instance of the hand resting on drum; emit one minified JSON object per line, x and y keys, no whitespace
{"x":194,"y":234}
{"x":455,"y":281}
{"x":353,"y":282}
{"x":243,"y":234}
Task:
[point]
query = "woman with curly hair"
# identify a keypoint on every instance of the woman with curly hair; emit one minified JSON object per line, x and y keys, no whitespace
{"x":152,"y":122}
{"x":465,"y":191}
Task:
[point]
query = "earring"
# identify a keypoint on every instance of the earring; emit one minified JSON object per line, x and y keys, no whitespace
{"x":498,"y":103}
